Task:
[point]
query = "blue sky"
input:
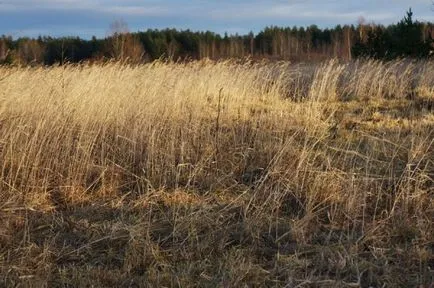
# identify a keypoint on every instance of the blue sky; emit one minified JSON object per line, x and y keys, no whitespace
{"x":86,"y":18}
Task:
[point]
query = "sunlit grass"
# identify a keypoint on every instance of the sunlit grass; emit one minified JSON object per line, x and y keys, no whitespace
{"x":217,"y":174}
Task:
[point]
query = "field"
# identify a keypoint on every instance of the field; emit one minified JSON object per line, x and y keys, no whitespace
{"x":217,"y":174}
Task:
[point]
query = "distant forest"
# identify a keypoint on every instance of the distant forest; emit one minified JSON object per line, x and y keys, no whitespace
{"x":407,"y":38}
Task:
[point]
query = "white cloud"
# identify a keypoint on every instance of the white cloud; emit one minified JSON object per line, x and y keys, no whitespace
{"x":308,"y":11}
{"x":136,"y":10}
{"x":222,"y":15}
{"x":122,"y":8}
{"x":57,"y":31}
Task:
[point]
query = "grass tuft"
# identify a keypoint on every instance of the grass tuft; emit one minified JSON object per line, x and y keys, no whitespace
{"x":217,"y":174}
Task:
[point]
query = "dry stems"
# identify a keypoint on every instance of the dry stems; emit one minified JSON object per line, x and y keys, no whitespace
{"x":217,"y":174}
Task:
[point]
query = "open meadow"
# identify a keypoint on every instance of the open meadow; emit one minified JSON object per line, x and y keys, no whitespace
{"x":217,"y":174}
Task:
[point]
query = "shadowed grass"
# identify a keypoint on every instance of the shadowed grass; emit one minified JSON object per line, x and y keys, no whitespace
{"x":217,"y":174}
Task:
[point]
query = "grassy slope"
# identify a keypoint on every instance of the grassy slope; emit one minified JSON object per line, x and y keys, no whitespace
{"x":217,"y":174}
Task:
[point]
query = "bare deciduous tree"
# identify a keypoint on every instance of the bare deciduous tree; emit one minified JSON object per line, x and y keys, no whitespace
{"x":4,"y":51}
{"x":123,"y":45}
{"x":30,"y":51}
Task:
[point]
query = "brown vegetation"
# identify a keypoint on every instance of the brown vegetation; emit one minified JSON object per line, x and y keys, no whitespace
{"x":123,"y":46}
{"x":219,"y":174}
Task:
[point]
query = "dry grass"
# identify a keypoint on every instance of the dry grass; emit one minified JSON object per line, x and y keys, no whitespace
{"x":217,"y":174}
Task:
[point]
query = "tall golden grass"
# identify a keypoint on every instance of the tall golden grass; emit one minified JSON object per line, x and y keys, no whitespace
{"x":217,"y":174}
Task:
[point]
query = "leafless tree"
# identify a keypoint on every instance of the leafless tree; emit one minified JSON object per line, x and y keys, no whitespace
{"x":123,"y":45}
{"x":30,"y":51}
{"x":4,"y":51}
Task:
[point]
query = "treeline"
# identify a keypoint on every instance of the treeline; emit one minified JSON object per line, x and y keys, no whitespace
{"x":408,"y":38}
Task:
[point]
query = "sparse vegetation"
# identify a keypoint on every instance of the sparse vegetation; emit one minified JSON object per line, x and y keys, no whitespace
{"x":217,"y":174}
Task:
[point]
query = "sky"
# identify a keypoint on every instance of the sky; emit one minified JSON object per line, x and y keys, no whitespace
{"x":87,"y":18}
